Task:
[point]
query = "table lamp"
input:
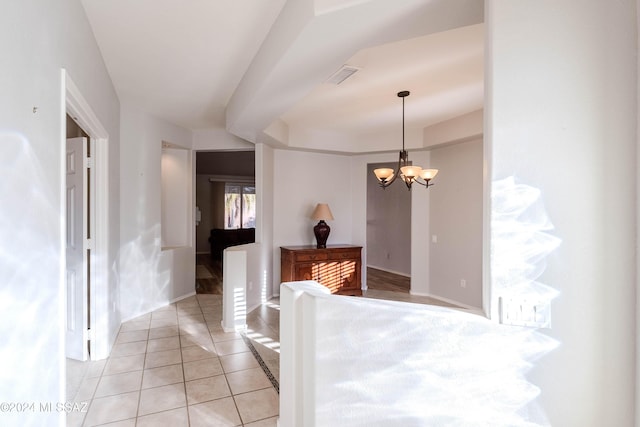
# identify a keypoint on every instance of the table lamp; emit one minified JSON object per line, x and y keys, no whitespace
{"x":321,"y":213}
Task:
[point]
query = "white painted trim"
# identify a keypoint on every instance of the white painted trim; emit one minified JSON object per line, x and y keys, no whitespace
{"x":489,"y":308}
{"x":79,"y":109}
{"x":449,"y":301}
{"x":62,"y":266}
{"x":232,"y":179}
{"x":234,"y":290}
{"x":389,"y":271}
{"x":637,"y":359}
{"x":100,"y":265}
{"x":158,"y":306}
{"x":193,"y":225}
{"x":254,"y":306}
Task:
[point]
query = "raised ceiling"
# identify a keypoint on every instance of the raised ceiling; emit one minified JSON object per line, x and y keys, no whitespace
{"x":251,"y":65}
{"x":442,"y":71}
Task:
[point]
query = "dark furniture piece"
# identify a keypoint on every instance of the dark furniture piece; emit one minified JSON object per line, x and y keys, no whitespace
{"x":220,"y":239}
{"x":338,"y":267}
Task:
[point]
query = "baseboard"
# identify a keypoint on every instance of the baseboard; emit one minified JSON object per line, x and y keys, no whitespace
{"x":250,"y":309}
{"x":449,"y":301}
{"x":386,"y":270}
{"x":190,"y":294}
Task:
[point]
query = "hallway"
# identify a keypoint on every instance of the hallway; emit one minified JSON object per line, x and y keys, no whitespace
{"x":177,"y":367}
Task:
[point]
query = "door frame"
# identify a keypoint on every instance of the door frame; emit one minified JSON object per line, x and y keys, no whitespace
{"x":76,"y":106}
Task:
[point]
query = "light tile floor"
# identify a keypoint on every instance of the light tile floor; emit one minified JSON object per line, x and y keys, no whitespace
{"x":177,"y":367}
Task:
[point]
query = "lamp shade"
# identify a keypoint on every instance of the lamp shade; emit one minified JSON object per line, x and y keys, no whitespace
{"x":410,"y":171}
{"x":322,"y":213}
{"x":428,"y":173}
{"x":383,"y":174}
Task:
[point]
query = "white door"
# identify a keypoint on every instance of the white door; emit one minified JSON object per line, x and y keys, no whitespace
{"x":77,"y":290}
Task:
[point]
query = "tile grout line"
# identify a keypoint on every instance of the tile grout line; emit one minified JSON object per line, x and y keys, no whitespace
{"x":145,"y":365}
{"x":263,"y":365}
{"x":224,"y":373}
{"x":184,"y":376}
{"x":84,"y":378}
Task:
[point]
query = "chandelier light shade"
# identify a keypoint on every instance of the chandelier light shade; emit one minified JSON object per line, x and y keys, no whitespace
{"x":322,"y":213}
{"x":409,"y":173}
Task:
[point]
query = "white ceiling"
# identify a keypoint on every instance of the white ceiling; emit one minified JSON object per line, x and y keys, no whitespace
{"x":248,"y":64}
{"x":443,"y":72}
{"x":180,"y":59}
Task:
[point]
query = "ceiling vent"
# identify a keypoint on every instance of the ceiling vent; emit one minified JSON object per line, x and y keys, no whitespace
{"x":342,"y":74}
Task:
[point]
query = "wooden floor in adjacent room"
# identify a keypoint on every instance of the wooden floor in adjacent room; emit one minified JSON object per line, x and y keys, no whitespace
{"x":384,"y":281}
{"x":209,"y":278}
{"x":208,"y":275}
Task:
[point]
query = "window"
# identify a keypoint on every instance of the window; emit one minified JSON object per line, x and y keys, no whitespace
{"x":239,"y":206}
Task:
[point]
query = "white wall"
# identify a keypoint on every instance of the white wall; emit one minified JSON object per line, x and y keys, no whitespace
{"x":176,"y":176}
{"x":378,"y":140}
{"x":264,"y":216}
{"x":37,"y":40}
{"x":300,"y":181}
{"x":149,"y":277}
{"x":456,"y":222}
{"x":203,"y":202}
{"x":463,"y":128}
{"x":561,"y":117}
{"x":218,"y":139}
{"x":210,"y":200}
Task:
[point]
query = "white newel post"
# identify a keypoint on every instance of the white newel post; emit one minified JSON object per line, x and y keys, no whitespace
{"x":234,"y":285}
{"x":297,"y":341}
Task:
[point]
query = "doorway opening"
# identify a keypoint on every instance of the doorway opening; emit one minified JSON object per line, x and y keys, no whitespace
{"x":388,"y":234}
{"x":89,"y":303}
{"x":225,"y":211}
{"x":90,"y":306}
{"x":80,"y":189}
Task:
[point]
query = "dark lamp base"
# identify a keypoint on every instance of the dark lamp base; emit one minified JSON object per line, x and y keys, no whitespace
{"x":321,"y":230}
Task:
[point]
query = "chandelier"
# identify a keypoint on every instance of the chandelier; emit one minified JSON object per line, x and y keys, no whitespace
{"x":406,"y":171}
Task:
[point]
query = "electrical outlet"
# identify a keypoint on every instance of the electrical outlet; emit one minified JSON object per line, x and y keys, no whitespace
{"x":463,"y":283}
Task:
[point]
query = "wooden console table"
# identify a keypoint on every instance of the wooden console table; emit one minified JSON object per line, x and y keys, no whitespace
{"x":338,"y":267}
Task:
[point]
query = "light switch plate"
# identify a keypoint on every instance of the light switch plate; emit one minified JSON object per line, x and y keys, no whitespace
{"x":525,"y":312}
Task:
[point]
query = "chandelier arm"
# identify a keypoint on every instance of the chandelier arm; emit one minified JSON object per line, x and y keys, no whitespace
{"x":385,"y":184}
{"x":408,"y":183}
{"x":424,"y":182}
